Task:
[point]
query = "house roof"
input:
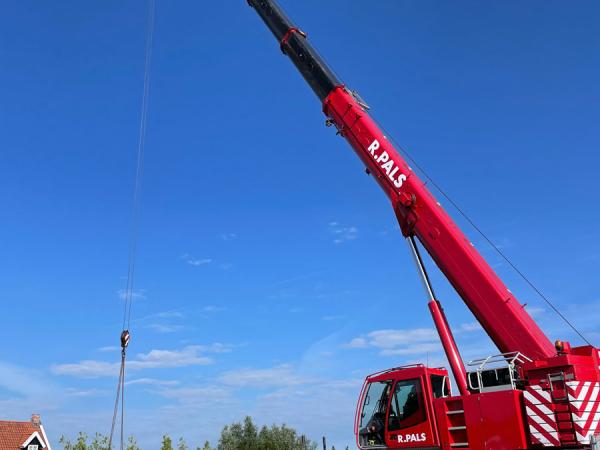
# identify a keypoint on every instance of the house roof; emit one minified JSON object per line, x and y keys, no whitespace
{"x":14,"y":434}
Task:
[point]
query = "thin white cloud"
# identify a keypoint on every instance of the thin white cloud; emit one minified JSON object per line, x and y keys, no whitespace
{"x":86,"y":369}
{"x":331,"y":318}
{"x":415,"y":349}
{"x":74,"y":392}
{"x":136,"y":294}
{"x":279,"y":376}
{"x":535,"y":311}
{"x":469,"y":327}
{"x":229,"y":236}
{"x":395,"y":338}
{"x":358,"y":342}
{"x":398,"y":342}
{"x":212,"y":309}
{"x":164,"y":328}
{"x":109,"y":349}
{"x":152,"y":382}
{"x":192,"y":355}
{"x":193,"y":261}
{"x":169,"y":315}
{"x":342,"y":233}
{"x":198,"y":395}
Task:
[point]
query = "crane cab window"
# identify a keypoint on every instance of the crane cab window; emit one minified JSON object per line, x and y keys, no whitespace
{"x":440,"y":386}
{"x":406,"y":405}
{"x":372,"y":417}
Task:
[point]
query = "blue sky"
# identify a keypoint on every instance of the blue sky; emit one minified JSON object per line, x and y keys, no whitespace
{"x":271,"y":274}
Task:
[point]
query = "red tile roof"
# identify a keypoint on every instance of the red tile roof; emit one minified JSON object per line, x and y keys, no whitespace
{"x":14,"y":434}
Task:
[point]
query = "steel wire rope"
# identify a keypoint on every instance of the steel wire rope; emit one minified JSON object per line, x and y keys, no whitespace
{"x":482,"y":234}
{"x":133,"y":236}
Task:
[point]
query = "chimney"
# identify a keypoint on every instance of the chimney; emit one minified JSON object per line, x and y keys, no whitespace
{"x":36,"y":420}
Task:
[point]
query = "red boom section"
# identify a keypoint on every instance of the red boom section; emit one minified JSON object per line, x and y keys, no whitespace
{"x":495,"y":307}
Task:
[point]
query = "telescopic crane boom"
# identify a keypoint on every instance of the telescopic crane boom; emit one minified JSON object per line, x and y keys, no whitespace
{"x":534,"y":394}
{"x":419,"y":214}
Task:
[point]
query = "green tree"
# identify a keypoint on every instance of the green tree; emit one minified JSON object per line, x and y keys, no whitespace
{"x":167,"y":443}
{"x":132,"y":444}
{"x":244,"y":436}
{"x":100,"y":442}
{"x":181,"y":445}
{"x":205,"y":447}
{"x":80,"y":442}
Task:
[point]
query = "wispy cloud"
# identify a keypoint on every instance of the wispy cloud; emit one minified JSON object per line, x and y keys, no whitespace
{"x":331,"y":318}
{"x":169,"y":315}
{"x":193,"y":261}
{"x":136,"y":294}
{"x":163,"y":322}
{"x":152,"y":382}
{"x":398,"y":342}
{"x":84,"y":393}
{"x":109,"y":349}
{"x":213,"y":309}
{"x":198,"y":395}
{"x":535,"y":311}
{"x":192,"y":355}
{"x":279,"y":376}
{"x":342,"y":233}
{"x":164,"y":328}
{"x":25,"y":382}
{"x":228,"y":236}
{"x":469,"y":327}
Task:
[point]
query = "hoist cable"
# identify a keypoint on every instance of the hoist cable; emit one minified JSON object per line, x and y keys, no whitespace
{"x":133,"y":238}
{"x":139,"y":168}
{"x":485,"y":237}
{"x":119,"y":396}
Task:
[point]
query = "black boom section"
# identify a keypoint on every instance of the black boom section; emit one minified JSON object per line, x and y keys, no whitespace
{"x":294,"y":44}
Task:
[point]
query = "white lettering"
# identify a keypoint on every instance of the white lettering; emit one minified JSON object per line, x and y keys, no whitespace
{"x":383,"y":157}
{"x":413,"y":437}
{"x":374,"y":146}
{"x":388,"y":166}
{"x":401,"y":179}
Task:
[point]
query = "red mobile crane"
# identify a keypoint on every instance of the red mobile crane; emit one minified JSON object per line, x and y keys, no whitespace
{"x":532,"y":395}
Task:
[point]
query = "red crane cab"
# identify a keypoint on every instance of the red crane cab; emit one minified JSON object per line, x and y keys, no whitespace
{"x":395,"y":408}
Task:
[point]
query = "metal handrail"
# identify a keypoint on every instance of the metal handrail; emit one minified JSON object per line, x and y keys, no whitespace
{"x":509,"y":358}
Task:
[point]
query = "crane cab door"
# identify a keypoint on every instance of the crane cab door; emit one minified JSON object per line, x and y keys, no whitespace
{"x":397,"y":413}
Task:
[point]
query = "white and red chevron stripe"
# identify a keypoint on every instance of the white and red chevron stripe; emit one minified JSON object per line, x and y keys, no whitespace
{"x":540,"y":417}
{"x":584,"y":398}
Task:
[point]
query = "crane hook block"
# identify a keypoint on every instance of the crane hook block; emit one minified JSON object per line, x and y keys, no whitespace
{"x":125,"y":337}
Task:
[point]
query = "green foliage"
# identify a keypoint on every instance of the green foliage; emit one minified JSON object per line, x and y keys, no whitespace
{"x":245,"y":436}
{"x":167,"y":443}
{"x":132,"y":444}
{"x":99,"y":442}
{"x":237,"y":436}
{"x":181,"y":445}
{"x":206,"y":446}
